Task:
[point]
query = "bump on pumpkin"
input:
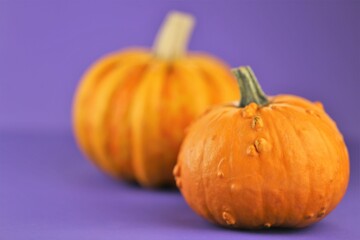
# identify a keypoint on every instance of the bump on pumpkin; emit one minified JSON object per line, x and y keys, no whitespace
{"x":228,"y":218}
{"x":257,"y":123}
{"x":262,"y":145}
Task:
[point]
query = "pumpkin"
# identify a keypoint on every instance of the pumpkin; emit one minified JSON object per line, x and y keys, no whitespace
{"x":264,"y":162}
{"x":131,"y":107}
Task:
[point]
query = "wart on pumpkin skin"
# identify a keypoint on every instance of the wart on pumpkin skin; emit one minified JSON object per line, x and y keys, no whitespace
{"x":262,"y":145}
{"x":220,"y":174}
{"x":176,"y":171}
{"x":267,"y":225}
{"x":319,"y":105}
{"x":234,"y":187}
{"x":250,"y":110}
{"x":228,"y":218}
{"x":251,"y":151}
{"x":312,"y":112}
{"x":178,"y":182}
{"x":321,"y":212}
{"x":257,"y":123}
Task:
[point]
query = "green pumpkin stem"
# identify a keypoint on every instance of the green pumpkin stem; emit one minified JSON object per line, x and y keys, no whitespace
{"x":249,"y":87}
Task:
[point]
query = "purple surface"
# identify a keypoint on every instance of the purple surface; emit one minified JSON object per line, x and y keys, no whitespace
{"x":48,"y":190}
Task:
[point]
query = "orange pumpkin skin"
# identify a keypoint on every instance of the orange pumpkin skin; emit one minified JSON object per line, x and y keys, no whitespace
{"x":284,"y":164}
{"x":131,"y":107}
{"x":131,"y":110}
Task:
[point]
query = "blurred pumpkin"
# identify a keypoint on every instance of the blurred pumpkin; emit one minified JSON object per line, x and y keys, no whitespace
{"x":268,"y":162}
{"x":132,"y":107}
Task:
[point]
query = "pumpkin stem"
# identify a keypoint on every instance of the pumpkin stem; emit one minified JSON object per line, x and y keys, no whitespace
{"x":172,"y":39}
{"x":249,"y":87}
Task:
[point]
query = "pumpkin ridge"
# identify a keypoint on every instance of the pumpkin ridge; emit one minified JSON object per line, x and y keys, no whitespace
{"x":327,"y":139}
{"x":209,"y":69}
{"x":211,"y":209}
{"x":206,"y":204}
{"x":101,"y":98}
{"x":209,"y":82}
{"x":124,"y":166}
{"x":310,"y":179}
{"x":277,"y":144}
{"x":91,"y":79}
{"x":279,"y":111}
{"x":79,"y":109}
{"x":263,"y":181}
{"x":328,"y":204}
{"x":311,"y":192}
{"x":88,"y":129}
{"x":232,"y":175}
{"x":270,"y":122}
{"x":142,"y":103}
{"x":298,"y":224}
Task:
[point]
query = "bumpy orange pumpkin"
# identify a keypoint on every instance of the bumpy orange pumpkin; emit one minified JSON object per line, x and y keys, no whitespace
{"x":268,"y":162}
{"x":132,"y":107}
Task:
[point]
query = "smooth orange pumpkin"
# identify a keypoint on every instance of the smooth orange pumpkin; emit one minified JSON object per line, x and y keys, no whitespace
{"x":268,"y":162}
{"x":132,"y":107}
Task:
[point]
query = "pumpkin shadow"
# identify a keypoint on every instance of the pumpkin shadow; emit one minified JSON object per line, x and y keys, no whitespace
{"x":180,"y":216}
{"x":277,"y":230}
{"x":166,"y":208}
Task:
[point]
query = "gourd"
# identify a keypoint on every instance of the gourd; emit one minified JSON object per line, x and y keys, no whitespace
{"x":264,"y":162}
{"x":132,"y":106}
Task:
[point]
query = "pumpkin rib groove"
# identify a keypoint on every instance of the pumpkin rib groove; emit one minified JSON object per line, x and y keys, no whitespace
{"x":209,"y":69}
{"x":114,"y":130}
{"x":322,"y":132}
{"x":321,"y":136}
{"x":88,"y":129}
{"x":331,"y":153}
{"x":310,"y":180}
{"x":195,"y":83}
{"x":232,"y":175}
{"x":101,"y":100}
{"x":170,"y":120}
{"x":99,"y":111}
{"x":92,"y":78}
{"x":167,"y":164}
{"x":80,"y":108}
{"x":203,"y":197}
{"x":206,"y":205}
{"x":143,"y":108}
{"x":329,"y":129}
{"x":259,"y":164}
{"x":270,"y":122}
{"x":289,"y":121}
{"x":209,"y":82}
{"x":174,"y":113}
{"x":328,"y":151}
{"x":211,"y":209}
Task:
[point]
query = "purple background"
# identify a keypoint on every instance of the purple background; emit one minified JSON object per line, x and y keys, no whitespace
{"x":48,"y":190}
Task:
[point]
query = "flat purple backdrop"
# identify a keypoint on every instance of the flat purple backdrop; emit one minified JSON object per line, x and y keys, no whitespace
{"x":48,"y":190}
